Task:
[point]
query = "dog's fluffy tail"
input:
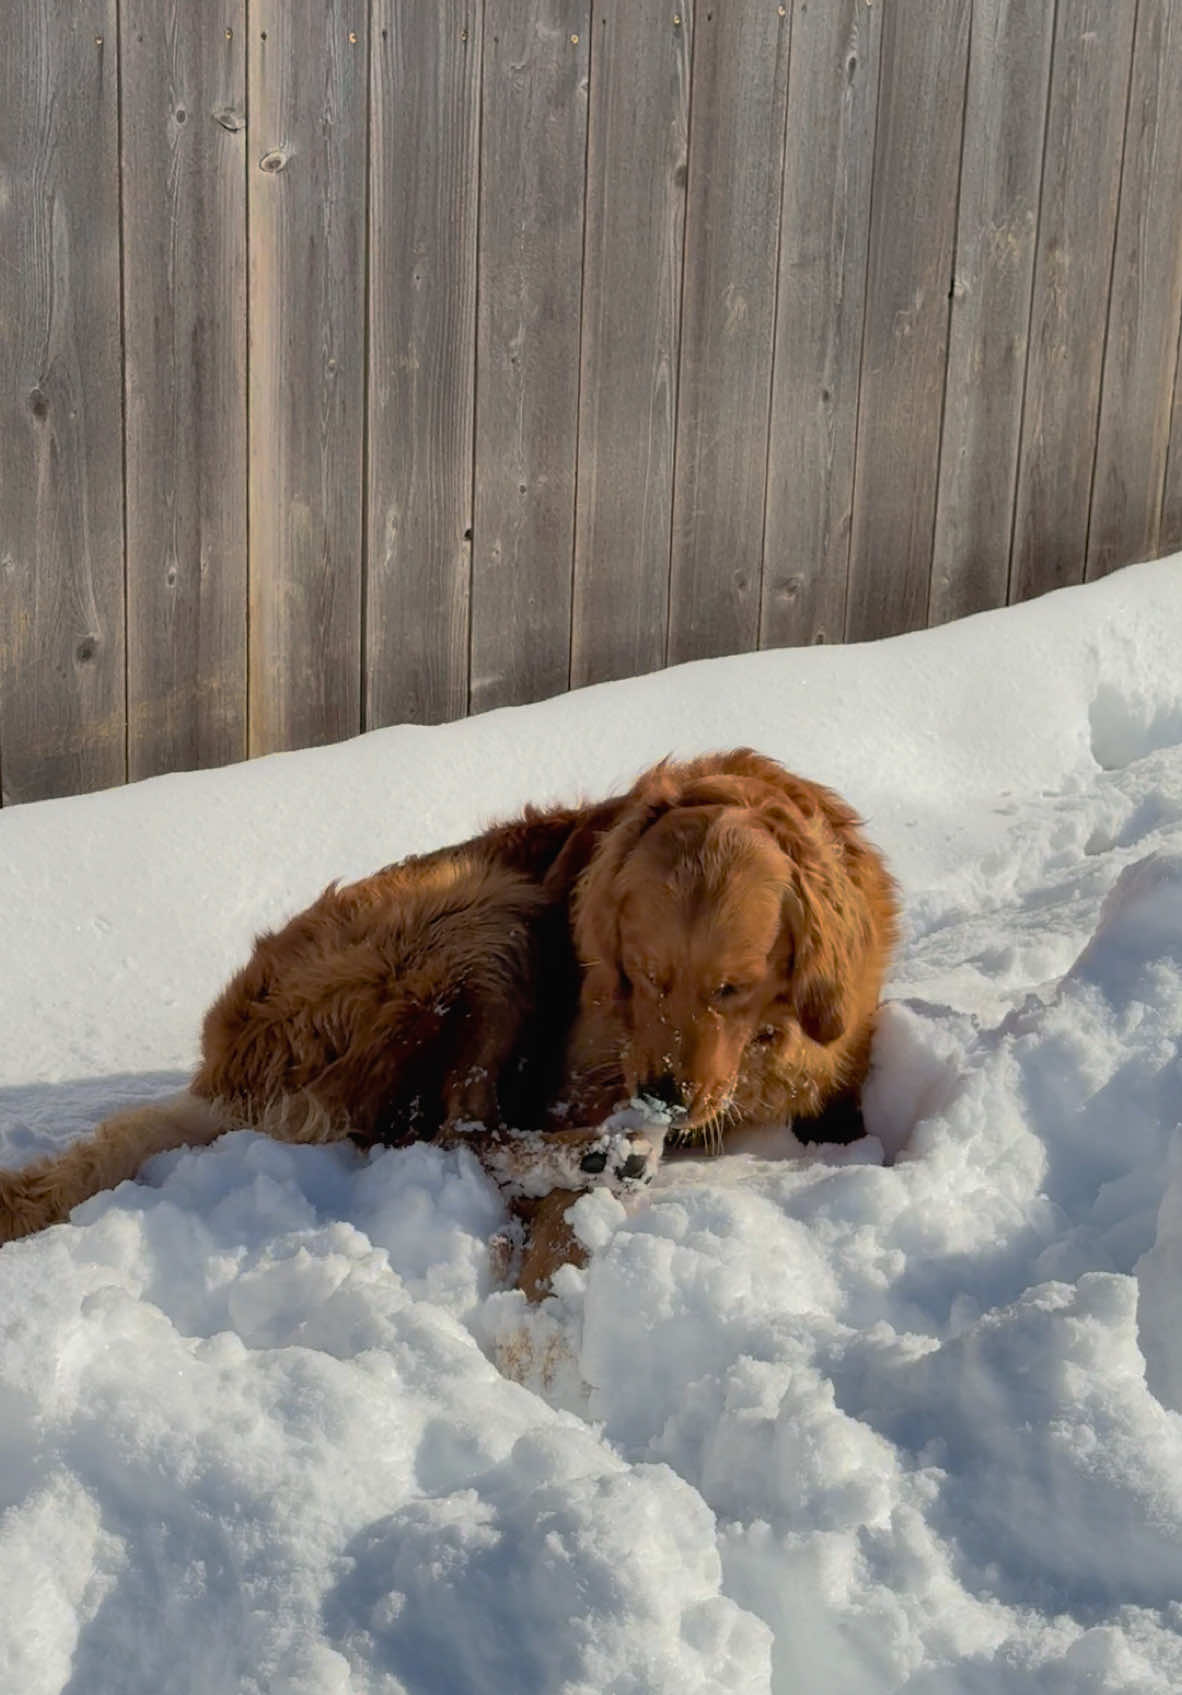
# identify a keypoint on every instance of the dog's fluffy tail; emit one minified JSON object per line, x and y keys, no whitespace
{"x":45,"y":1192}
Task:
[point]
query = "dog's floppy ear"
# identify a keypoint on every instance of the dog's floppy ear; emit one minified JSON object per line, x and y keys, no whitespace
{"x":575,"y":854}
{"x":594,"y":918}
{"x":819,"y":971}
{"x":825,"y":940}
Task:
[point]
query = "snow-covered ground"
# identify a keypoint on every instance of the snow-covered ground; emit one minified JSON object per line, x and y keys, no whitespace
{"x":903,"y":1416}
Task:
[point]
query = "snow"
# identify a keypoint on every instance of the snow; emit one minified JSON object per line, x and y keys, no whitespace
{"x":900,"y":1416}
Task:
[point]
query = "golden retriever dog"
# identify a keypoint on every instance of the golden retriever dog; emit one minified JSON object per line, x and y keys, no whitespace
{"x":712,"y":943}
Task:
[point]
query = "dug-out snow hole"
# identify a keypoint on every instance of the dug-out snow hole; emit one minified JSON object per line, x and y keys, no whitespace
{"x":915,"y":1072}
{"x":1127,"y":726}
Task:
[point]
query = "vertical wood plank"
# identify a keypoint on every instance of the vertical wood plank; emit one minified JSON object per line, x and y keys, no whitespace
{"x":1005,"y":120}
{"x":425,"y":106}
{"x":1073,"y":266}
{"x":1170,"y":535}
{"x":824,"y":233}
{"x":306,"y":207}
{"x":736,"y":158}
{"x":913,"y":225}
{"x":636,"y":175}
{"x":1142,"y":343}
{"x":183,"y":76}
{"x":62,"y":703}
{"x":533,"y":156}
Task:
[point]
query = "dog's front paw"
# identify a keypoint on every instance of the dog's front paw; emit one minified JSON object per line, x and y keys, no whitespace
{"x":629,"y":1145}
{"x":534,"y":1164}
{"x":622,"y":1154}
{"x":622,"y":1159}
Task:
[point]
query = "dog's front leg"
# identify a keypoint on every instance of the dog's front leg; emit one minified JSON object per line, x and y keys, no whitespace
{"x":549,"y":1241}
{"x":542,"y":1174}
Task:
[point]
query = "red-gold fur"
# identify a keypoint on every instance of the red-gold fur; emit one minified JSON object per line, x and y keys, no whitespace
{"x":716,"y":937}
{"x":735,"y":928}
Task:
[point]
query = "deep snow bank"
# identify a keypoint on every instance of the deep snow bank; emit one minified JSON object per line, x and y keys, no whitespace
{"x":899,"y":1416}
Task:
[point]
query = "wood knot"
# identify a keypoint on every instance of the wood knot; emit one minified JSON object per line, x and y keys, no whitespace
{"x":273,"y":161}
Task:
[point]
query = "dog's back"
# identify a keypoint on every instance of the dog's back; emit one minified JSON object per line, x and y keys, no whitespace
{"x":436,"y":991}
{"x":387,"y":1007}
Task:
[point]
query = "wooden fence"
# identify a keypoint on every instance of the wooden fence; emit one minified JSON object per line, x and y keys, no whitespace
{"x":373,"y":360}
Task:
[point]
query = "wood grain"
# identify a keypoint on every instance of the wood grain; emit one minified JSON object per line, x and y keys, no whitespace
{"x":824,"y":234}
{"x":1146,"y":300}
{"x":307,"y":210}
{"x":1073,"y":268}
{"x":533,"y":155}
{"x":1005,"y":120}
{"x":736,"y":159}
{"x":62,"y":709}
{"x":425,"y":106}
{"x":184,"y":240}
{"x":1169,"y":538}
{"x":912,"y":231}
{"x":636,"y":176}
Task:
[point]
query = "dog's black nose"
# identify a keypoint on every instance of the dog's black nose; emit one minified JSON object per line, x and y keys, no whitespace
{"x":665,"y":1090}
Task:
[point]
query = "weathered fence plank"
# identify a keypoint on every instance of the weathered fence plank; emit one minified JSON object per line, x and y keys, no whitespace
{"x":824,"y":233}
{"x":636,"y":174}
{"x":912,"y":231}
{"x":424,"y":139}
{"x":1005,"y":120}
{"x":183,"y":76}
{"x":1073,"y":267}
{"x":307,"y":210}
{"x":1170,"y":535}
{"x":736,"y":159}
{"x":534,"y":140}
{"x":62,"y":716}
{"x":1142,"y":341}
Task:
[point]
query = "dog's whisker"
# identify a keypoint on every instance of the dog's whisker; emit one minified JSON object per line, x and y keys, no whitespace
{"x":712,"y":1134}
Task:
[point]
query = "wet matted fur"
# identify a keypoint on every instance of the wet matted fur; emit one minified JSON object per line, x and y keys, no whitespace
{"x":715,"y":939}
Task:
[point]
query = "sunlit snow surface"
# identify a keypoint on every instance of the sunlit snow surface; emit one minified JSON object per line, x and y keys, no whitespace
{"x":902,"y":1416}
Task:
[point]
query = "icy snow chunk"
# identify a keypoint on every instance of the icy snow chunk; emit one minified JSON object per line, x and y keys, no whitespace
{"x":764,"y":1440}
{"x":1140,"y":924}
{"x":1062,"y":1479}
{"x":1129,"y":722}
{"x":59,"y":1566}
{"x":560,"y":1570}
{"x":595,"y":1217}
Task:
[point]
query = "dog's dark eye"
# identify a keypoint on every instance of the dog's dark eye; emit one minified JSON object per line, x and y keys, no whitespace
{"x":726,"y":991}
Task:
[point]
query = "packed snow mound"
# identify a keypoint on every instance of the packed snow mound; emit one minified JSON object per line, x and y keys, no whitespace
{"x":293,"y":1459}
{"x":903,"y":1416}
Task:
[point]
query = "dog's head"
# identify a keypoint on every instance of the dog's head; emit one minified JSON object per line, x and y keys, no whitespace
{"x":714,"y":918}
